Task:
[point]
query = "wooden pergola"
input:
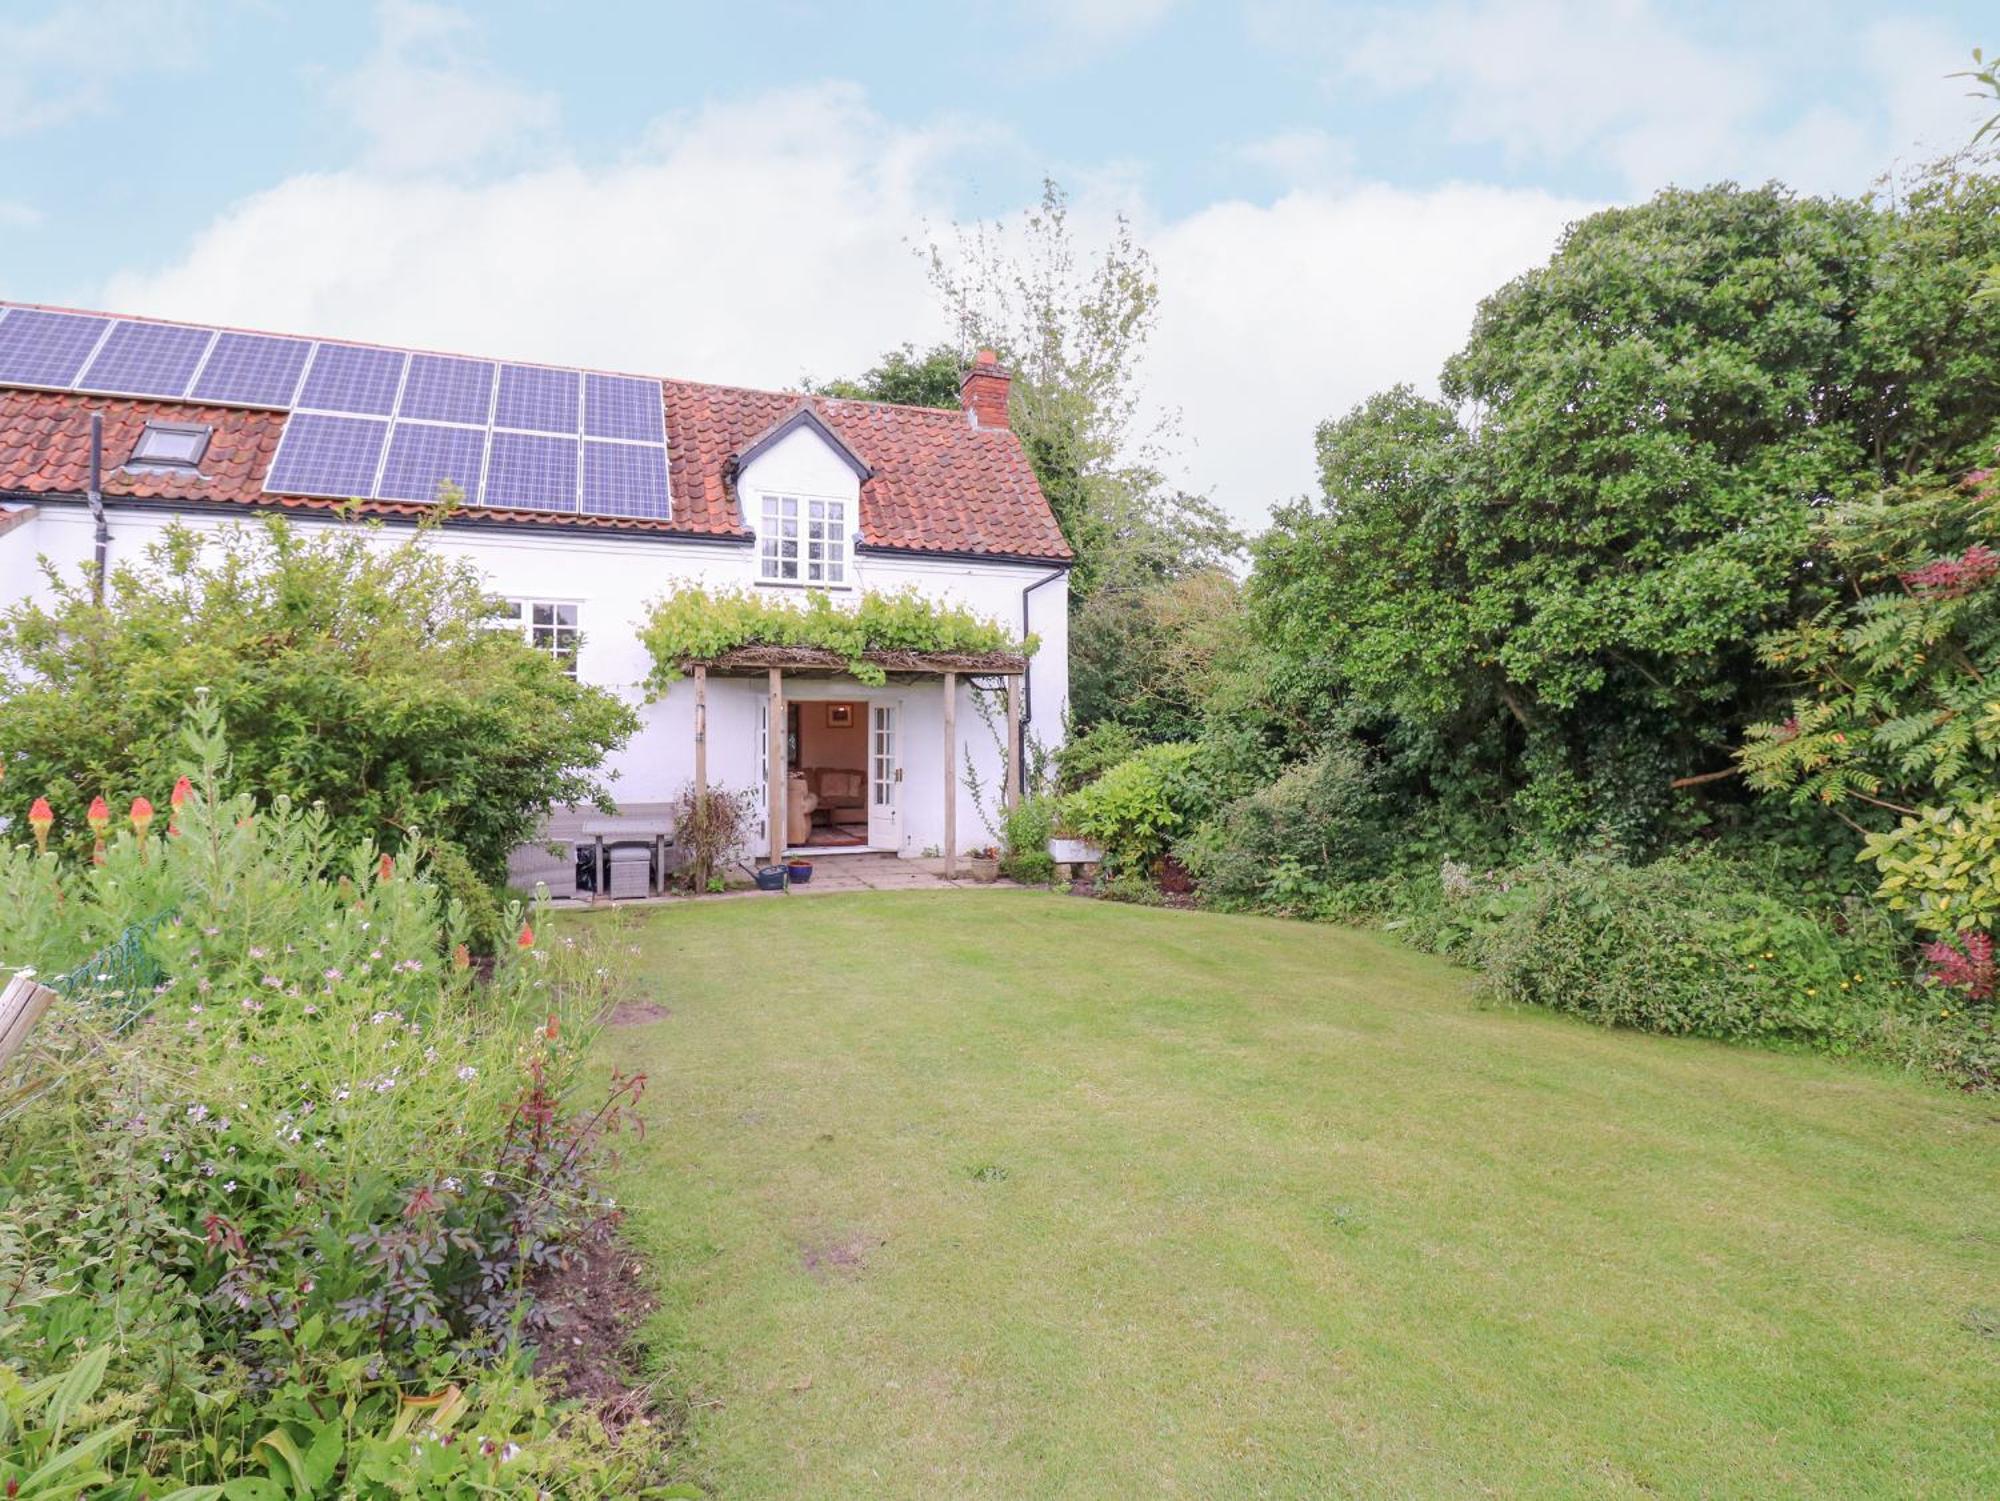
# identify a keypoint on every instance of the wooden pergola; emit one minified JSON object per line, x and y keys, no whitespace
{"x":774,"y":662}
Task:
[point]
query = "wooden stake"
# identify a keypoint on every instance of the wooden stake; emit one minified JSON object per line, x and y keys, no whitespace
{"x":777,"y":767}
{"x":1015,"y":749}
{"x":21,"y":1006}
{"x":950,"y":775}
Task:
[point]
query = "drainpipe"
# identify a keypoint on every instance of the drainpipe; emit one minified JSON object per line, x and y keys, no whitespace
{"x":95,"y":496}
{"x":1020,"y":748}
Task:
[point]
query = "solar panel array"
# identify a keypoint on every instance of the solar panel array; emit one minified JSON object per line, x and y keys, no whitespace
{"x":369,"y":422}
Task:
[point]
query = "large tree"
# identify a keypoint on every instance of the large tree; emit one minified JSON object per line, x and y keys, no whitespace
{"x":1563,"y":567}
{"x":905,"y":376}
{"x":1072,"y":324}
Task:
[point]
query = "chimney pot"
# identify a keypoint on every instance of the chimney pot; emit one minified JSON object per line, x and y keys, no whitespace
{"x":983,"y":391}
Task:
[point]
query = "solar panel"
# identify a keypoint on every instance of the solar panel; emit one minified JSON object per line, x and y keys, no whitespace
{"x":252,"y":370}
{"x":531,"y":473}
{"x":422,"y":456}
{"x":541,"y":400}
{"x":39,"y":348}
{"x":625,"y":479}
{"x":326,"y":455}
{"x":365,"y":421}
{"x":148,"y":359}
{"x":353,"y":378}
{"x":443,"y":389}
{"x":622,"y":406}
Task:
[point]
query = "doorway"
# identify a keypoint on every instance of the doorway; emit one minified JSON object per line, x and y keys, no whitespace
{"x":831,"y":745}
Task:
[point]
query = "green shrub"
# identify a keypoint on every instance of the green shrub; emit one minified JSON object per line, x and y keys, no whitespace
{"x":1024,"y":841}
{"x":477,"y":910}
{"x":1308,"y":843}
{"x":362,"y":677}
{"x":1683,"y":945}
{"x":1135,"y":808}
{"x":1131,"y":887}
{"x":1082,"y":759}
{"x":1942,"y":867}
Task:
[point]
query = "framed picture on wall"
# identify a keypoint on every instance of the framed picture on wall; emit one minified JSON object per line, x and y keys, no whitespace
{"x":839,"y":716}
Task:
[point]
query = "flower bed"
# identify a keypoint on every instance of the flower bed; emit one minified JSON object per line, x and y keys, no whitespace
{"x":286,"y":1225}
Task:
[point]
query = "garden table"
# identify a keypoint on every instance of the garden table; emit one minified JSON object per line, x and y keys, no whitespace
{"x":654,"y":832}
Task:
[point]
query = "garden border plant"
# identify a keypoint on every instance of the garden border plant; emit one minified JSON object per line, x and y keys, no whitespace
{"x":303,"y":1206}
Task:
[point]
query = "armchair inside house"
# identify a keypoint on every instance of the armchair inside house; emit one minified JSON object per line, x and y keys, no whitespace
{"x":842,"y":792}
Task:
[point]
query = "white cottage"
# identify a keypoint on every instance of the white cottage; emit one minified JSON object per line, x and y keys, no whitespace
{"x":588,"y":495}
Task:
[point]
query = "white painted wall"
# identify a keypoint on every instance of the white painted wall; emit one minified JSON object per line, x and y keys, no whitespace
{"x":612,"y":580}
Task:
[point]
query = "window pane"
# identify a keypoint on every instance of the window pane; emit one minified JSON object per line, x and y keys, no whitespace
{"x":566,"y":615}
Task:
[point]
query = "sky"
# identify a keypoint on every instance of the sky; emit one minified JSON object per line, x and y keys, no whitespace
{"x":738,"y":192}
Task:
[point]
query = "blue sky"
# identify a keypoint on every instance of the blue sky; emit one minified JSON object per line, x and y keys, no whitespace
{"x":731,"y":192}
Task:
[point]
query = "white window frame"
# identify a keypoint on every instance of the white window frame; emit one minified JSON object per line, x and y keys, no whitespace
{"x":560,"y":638}
{"x":806,"y":534}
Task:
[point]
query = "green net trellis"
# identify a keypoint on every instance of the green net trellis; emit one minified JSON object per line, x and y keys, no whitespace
{"x":119,"y":977}
{"x":119,"y":982}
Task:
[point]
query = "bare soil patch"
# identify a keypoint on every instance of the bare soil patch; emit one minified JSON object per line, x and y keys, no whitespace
{"x":593,"y":1308}
{"x":637,"y":1013}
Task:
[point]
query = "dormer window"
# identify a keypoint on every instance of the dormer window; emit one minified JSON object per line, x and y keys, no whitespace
{"x":170,"y":445}
{"x":803,"y":540}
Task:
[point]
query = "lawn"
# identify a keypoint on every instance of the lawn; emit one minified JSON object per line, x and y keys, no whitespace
{"x":1014,"y":1195}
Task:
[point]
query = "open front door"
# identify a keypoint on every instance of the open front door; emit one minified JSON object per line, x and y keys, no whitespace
{"x":885,"y":779}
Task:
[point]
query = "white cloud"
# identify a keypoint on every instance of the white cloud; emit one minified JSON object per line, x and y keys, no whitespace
{"x":1553,"y":79}
{"x":1629,"y":86}
{"x":67,"y":62}
{"x":16,"y":215}
{"x":745,"y":243}
{"x":426,"y":100}
{"x":1301,"y":158}
{"x":754,"y":241}
{"x":1275,"y":318}
{"x":1091,"y":25}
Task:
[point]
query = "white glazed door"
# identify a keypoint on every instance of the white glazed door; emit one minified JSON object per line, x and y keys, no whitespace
{"x":885,"y":779}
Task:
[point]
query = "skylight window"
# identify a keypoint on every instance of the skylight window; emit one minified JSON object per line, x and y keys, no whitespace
{"x":170,"y":445}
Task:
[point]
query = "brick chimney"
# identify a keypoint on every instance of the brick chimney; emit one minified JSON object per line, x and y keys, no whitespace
{"x":983,"y":392}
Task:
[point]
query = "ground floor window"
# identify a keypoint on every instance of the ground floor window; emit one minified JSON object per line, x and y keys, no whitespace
{"x":547,"y":625}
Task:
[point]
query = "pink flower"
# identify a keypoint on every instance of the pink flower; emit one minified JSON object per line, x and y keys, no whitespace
{"x":1966,"y":966}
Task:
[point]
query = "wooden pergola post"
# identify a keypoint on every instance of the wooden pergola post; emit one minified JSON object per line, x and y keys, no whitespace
{"x":1016,"y":751}
{"x":701,"y":741}
{"x":777,"y":766}
{"x":950,"y":775}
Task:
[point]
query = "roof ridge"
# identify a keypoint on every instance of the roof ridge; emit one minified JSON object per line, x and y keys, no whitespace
{"x":272,"y":333}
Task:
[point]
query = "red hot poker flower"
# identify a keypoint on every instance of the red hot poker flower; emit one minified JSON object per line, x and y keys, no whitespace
{"x":527,"y":938}
{"x":41,"y":818}
{"x":99,"y":816}
{"x":141,"y":816}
